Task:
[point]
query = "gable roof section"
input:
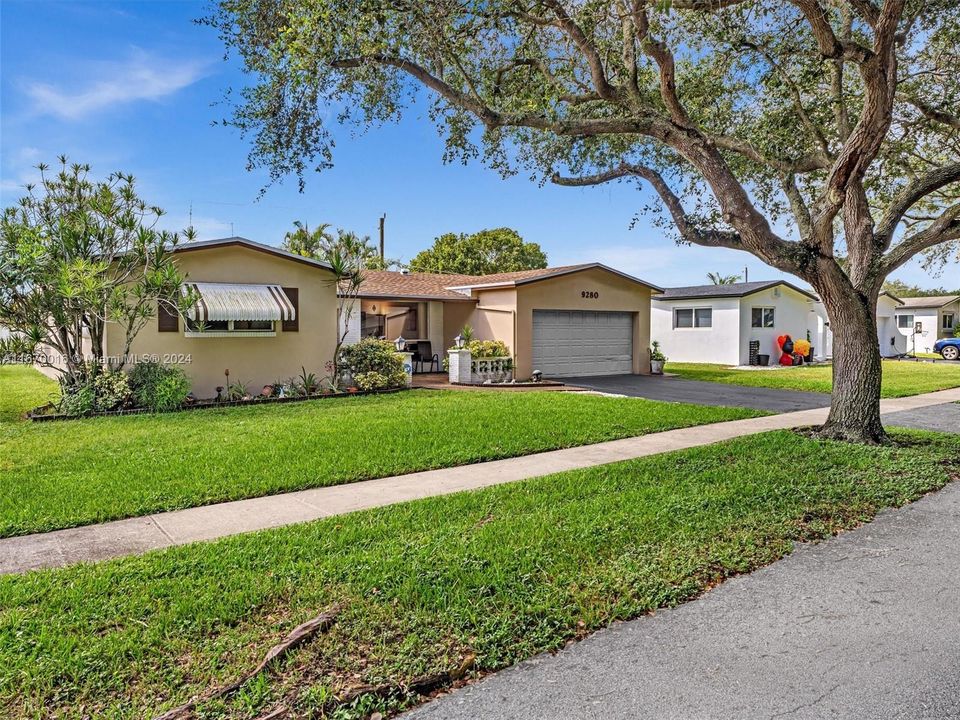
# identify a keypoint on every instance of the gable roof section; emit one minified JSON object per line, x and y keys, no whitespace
{"x":237,"y":241}
{"x":523,"y":277}
{"x":438,"y":286}
{"x":935,"y":301}
{"x":733,"y":290}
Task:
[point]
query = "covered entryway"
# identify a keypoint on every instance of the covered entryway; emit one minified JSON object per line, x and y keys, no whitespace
{"x":582,"y":342}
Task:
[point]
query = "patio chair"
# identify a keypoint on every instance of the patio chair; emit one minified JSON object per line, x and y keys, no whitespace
{"x":423,"y":353}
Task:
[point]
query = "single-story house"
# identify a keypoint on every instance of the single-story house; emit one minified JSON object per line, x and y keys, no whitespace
{"x":563,"y":321}
{"x":921,"y":321}
{"x":261,"y":313}
{"x":716,"y":323}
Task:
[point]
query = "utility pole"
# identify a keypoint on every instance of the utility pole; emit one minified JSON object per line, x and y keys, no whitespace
{"x":746,"y":274}
{"x":383,"y":219}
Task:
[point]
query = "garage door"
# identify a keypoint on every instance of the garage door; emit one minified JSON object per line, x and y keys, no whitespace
{"x":575,"y":342}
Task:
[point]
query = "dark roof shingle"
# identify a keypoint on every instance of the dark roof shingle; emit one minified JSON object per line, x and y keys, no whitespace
{"x":732,"y":290}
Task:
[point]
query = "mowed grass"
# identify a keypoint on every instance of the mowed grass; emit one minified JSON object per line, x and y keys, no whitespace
{"x":62,"y":474}
{"x":502,"y":574}
{"x":899,"y":378}
{"x":22,"y":389}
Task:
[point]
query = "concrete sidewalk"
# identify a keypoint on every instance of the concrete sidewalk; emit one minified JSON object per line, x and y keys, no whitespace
{"x":138,"y":535}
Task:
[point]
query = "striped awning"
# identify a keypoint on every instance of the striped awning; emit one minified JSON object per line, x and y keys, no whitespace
{"x":231,"y":301}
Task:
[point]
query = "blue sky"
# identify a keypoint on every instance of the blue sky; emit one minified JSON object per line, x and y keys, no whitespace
{"x":131,"y":86}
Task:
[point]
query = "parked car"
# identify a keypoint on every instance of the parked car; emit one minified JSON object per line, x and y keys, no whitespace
{"x":949,"y":348}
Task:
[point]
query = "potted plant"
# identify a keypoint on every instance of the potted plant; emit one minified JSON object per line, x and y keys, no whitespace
{"x":657,"y":359}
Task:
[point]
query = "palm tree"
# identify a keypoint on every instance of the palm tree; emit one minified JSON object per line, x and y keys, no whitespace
{"x":718,"y":279}
{"x":303,"y":241}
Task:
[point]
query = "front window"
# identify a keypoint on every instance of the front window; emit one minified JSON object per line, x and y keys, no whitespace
{"x":693,"y":317}
{"x":762,"y":317}
{"x":222,"y":327}
{"x":905,"y":322}
{"x":948,"y":320}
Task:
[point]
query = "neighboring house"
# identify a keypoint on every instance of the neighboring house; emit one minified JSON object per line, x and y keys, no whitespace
{"x":564,"y":321}
{"x":716,"y":323}
{"x":887,"y":334}
{"x":921,"y":321}
{"x":262,"y":313}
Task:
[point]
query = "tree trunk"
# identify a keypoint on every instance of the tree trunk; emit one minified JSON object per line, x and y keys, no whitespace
{"x":857,"y":367}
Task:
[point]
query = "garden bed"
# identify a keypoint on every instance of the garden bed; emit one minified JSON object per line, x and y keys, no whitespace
{"x":36,"y":415}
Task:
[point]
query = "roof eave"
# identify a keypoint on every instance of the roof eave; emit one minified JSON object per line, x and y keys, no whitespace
{"x":250,"y":244}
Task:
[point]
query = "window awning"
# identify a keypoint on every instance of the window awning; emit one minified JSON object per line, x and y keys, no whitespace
{"x":231,"y":301}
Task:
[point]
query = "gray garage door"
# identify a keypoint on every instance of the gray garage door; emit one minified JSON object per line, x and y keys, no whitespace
{"x":577,"y":342}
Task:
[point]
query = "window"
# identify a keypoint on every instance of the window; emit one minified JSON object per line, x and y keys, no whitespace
{"x":905,"y":322}
{"x":238,"y":327}
{"x":947,"y":321}
{"x":693,"y":317}
{"x":248,"y":325}
{"x":762,"y":317}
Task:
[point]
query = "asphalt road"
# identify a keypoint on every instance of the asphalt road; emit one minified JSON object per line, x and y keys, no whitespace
{"x":863,"y":626}
{"x":940,"y":418}
{"x":700,"y":392}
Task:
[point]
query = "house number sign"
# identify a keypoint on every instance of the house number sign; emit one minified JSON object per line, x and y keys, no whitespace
{"x":590,"y":294}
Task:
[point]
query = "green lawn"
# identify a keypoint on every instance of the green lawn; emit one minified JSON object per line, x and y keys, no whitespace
{"x":502,"y":573}
{"x":22,"y":389}
{"x":899,"y":378}
{"x":61,"y":474}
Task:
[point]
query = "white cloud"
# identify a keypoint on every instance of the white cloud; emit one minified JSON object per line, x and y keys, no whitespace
{"x":141,"y":77}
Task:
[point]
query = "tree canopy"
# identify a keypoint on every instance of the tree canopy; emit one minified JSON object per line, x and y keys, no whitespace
{"x":822,"y":136}
{"x":904,"y":289}
{"x":481,"y":253}
{"x":321,"y":244}
{"x":76,"y":254}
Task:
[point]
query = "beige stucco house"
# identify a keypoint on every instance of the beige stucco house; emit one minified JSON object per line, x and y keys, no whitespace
{"x":261,"y":313}
{"x":574,"y":320}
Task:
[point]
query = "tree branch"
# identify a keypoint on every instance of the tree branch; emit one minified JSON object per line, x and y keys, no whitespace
{"x":943,"y":229}
{"x":587,"y":48}
{"x":941,"y":116}
{"x":688,"y":230}
{"x":912,"y":193}
{"x":493,"y":119}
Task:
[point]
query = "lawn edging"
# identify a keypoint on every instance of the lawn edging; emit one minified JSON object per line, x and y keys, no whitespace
{"x":36,"y":416}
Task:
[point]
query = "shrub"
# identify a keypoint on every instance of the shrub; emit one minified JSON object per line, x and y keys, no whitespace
{"x":111,"y":390}
{"x":158,"y":387}
{"x":78,"y":400}
{"x":488,"y":348}
{"x":369,"y":358}
{"x":94,"y":389}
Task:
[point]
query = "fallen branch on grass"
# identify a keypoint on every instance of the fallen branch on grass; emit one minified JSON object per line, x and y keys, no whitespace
{"x":297,"y":636}
{"x":423,"y":685}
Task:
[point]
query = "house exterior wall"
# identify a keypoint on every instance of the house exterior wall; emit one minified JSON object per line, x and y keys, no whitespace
{"x":794,"y":315}
{"x":932,"y":321}
{"x":716,"y":344}
{"x":255,"y":361}
{"x":455,"y":316}
{"x":892,"y":342}
{"x":606,"y":292}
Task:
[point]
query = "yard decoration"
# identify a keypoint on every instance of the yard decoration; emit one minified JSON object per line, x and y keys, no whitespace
{"x":802,"y":348}
{"x":785,"y":345}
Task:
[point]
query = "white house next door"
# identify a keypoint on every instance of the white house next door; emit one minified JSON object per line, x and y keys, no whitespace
{"x":578,"y":342}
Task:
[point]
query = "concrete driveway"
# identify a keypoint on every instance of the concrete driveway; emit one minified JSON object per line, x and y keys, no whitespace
{"x":860,"y":627}
{"x":700,"y":392}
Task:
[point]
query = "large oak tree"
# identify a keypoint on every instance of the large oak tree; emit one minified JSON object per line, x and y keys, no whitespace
{"x":823,"y":136}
